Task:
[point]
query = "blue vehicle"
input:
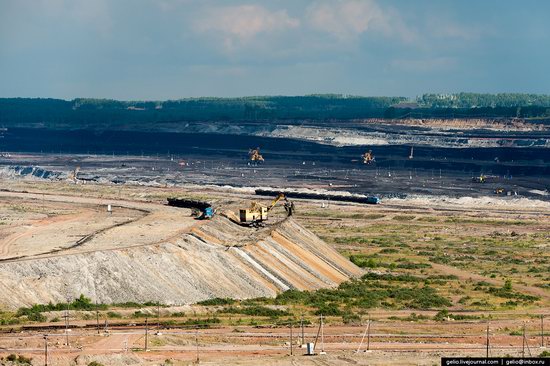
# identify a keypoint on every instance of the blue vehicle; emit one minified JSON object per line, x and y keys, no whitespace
{"x":373,"y":200}
{"x":207,"y":213}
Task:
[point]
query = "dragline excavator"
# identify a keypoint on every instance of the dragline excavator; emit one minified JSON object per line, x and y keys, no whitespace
{"x":368,"y":157}
{"x":254,"y":155}
{"x":257,"y":213}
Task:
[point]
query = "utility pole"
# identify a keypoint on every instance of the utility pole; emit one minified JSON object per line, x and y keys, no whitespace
{"x":368,"y":335}
{"x":158,"y":317}
{"x":67,"y":325}
{"x":317,"y":337}
{"x":302,"y":326}
{"x":523,"y":343}
{"x":197,"y":342}
{"x":291,"y":348}
{"x":541,"y":331}
{"x":362,"y":339}
{"x":487,"y":342}
{"x":322,"y":336}
{"x":97,"y":315}
{"x":146,"y":333}
{"x":45,"y":350}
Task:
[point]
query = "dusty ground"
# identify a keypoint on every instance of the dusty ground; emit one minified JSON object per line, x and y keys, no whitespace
{"x":476,"y":240}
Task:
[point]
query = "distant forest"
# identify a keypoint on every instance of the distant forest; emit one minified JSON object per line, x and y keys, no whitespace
{"x":86,"y":113}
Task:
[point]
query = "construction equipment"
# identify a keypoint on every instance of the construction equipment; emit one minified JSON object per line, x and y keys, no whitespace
{"x":254,"y":155}
{"x":204,"y":214}
{"x":373,"y":200}
{"x":257,"y":213}
{"x":368,"y":157}
{"x":480,"y":179}
{"x":74,"y":175}
{"x":200,"y":210}
{"x":499,"y":190}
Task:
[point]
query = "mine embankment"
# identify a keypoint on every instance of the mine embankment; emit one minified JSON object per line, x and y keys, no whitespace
{"x":167,"y":256}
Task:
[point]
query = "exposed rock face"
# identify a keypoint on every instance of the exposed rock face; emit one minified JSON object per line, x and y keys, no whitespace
{"x":217,"y":259}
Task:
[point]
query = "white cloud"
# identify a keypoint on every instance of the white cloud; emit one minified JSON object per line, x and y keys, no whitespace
{"x":238,"y":25}
{"x":348,"y":19}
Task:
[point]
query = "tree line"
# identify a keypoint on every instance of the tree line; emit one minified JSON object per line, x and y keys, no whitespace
{"x":105,"y":113}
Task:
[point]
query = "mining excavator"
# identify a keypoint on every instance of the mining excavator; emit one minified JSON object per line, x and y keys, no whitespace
{"x":254,"y":155}
{"x":480,"y":179}
{"x":368,"y":157}
{"x":257,"y":213}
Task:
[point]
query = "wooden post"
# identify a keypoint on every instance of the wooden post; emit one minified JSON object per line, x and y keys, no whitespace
{"x":487,"y":343}
{"x":158,"y":316}
{"x":541,"y":330}
{"x":97,"y":315}
{"x":67,"y":325}
{"x":291,"y":347}
{"x":368,"y":335}
{"x":45,"y":350}
{"x":302,"y":326}
{"x":322,"y":336}
{"x":197,"y":342}
{"x":146,"y":333}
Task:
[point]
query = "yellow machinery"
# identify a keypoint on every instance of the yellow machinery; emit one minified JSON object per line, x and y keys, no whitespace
{"x":480,"y":179}
{"x":254,"y":155}
{"x":368,"y":157}
{"x":499,"y":191}
{"x":257,"y":213}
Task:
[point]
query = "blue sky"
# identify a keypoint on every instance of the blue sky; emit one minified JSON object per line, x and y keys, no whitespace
{"x":169,"y":49}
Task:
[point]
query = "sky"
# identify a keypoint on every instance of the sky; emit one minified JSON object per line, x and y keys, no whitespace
{"x":170,"y":49}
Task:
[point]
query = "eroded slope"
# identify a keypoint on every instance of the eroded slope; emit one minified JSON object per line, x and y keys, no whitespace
{"x":215,"y":258}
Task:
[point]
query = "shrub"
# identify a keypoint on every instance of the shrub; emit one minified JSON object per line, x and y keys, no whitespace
{"x":22,"y":360}
{"x":349,"y":317}
{"x":390,"y":277}
{"x":217,"y":301}
{"x":202,"y":323}
{"x":36,"y":317}
{"x":330,"y":309}
{"x":255,"y":310}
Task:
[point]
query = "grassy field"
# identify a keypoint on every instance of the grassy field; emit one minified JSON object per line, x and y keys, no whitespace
{"x":435,"y":264}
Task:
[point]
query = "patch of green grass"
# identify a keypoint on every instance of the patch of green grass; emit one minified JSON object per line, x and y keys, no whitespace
{"x":81,"y":303}
{"x":367,"y":293}
{"x":413,"y":317}
{"x":217,"y":301}
{"x":255,"y":310}
{"x":403,"y":217}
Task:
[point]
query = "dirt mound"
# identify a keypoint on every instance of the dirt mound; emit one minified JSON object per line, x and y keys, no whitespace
{"x":215,"y":259}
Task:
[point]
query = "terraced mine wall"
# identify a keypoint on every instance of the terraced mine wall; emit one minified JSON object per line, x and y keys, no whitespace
{"x":215,"y":259}
{"x":528,"y":160}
